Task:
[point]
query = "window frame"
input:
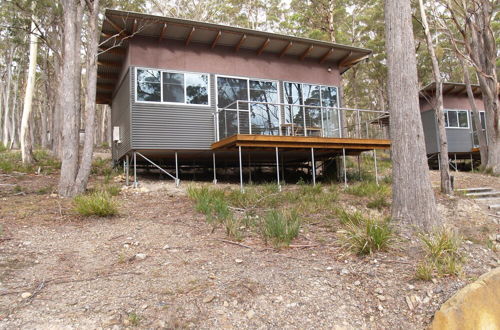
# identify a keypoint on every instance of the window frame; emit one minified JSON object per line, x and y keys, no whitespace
{"x":216,"y":90}
{"x":303,"y":106}
{"x":185,"y":87}
{"x":447,"y":122}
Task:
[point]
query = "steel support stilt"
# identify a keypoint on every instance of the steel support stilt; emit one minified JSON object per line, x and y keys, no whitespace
{"x":471,"y":163}
{"x":375,"y":162}
{"x":241,"y":169}
{"x":177,"y":181}
{"x":439,"y":162}
{"x":278,"y":169}
{"x":313,"y":165}
{"x":127,"y":169}
{"x":215,"y":171}
{"x":456,"y":165}
{"x":345,"y":170}
{"x":135,"y":170}
{"x":359,"y":167}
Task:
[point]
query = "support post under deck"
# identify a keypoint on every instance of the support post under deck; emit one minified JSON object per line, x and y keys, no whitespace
{"x":177,"y":181}
{"x":456,"y":165}
{"x":241,"y":169}
{"x":313,"y":165}
{"x":215,"y":171}
{"x":359,"y":167}
{"x":345,"y":170}
{"x":375,"y":162}
{"x":127,"y":169}
{"x":135,"y":170}
{"x":278,"y":169}
{"x":471,"y":163}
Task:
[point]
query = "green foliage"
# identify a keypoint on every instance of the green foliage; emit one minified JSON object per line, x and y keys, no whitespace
{"x":2,"y":147}
{"x":347,"y":218}
{"x":364,"y":235}
{"x":378,"y":203}
{"x":365,"y":189}
{"x":11,"y":161}
{"x":281,"y":228}
{"x":133,"y":319}
{"x":210,"y":202}
{"x":98,"y":203}
{"x":442,"y":254}
{"x":101,"y":167}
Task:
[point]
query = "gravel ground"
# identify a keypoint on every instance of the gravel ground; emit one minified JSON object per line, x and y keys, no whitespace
{"x":159,"y":265}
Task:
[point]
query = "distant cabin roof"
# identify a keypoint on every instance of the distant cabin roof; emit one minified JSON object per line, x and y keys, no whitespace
{"x":450,"y":88}
{"x":122,"y":25}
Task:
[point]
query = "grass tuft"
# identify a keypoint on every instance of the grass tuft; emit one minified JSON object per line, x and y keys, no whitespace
{"x":281,"y":228}
{"x":365,"y":189}
{"x":98,"y":203}
{"x":378,"y":203}
{"x":364,"y":235}
{"x":442,"y":256}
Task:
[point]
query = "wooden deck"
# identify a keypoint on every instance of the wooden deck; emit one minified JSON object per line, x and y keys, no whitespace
{"x":299,"y":142}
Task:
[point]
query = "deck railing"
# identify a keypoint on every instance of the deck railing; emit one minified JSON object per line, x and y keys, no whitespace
{"x":282,"y":119}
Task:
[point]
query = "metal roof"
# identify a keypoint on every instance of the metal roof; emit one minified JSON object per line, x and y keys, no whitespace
{"x":120,"y":26}
{"x":450,"y":88}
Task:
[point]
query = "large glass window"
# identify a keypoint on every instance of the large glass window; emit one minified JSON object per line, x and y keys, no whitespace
{"x":317,"y":111}
{"x":265,"y":114}
{"x":456,"y":119}
{"x":172,"y":87}
{"x":230,"y":90}
{"x":148,"y":85}
{"x":481,"y":117}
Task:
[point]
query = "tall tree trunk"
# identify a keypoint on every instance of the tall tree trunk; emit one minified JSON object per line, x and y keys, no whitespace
{"x":483,"y":146}
{"x":7,"y":112}
{"x":413,"y":197}
{"x":68,"y":97}
{"x":90,"y":103}
{"x":13,"y":143}
{"x":438,"y":107}
{"x":57,"y":118}
{"x":26,"y":143}
{"x":482,"y":50}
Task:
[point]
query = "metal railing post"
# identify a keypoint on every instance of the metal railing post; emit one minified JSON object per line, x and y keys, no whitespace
{"x":241,"y":170}
{"x":127,"y":169}
{"x":345,"y":169}
{"x":177,"y":181}
{"x":305,"y":121}
{"x":135,"y":170}
{"x":215,"y":170}
{"x":249,"y":119}
{"x":375,"y":162}
{"x":238,"y":115}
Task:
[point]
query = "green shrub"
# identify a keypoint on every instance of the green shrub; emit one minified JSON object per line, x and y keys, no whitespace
{"x":2,"y":147}
{"x":378,"y":203}
{"x":211,"y":203}
{"x":98,"y":203}
{"x":102,"y":167}
{"x":11,"y":161}
{"x":112,"y":190}
{"x":233,"y":228}
{"x":442,"y":254}
{"x":368,"y":236}
{"x":346,"y":218}
{"x":424,"y":271}
{"x":281,"y":228}
{"x":365,"y":189}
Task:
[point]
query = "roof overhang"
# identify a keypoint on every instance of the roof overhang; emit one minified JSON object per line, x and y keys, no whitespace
{"x":120,"y":26}
{"x":450,"y":89}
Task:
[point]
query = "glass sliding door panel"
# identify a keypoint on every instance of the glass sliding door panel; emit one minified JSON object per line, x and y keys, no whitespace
{"x":312,"y":97}
{"x":331,"y":118}
{"x":264,"y":116}
{"x":294,"y":113}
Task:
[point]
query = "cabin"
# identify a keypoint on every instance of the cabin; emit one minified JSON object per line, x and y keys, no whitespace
{"x":459,"y":122}
{"x":187,"y":94}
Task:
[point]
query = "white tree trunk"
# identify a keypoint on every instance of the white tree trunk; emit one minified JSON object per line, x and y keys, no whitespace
{"x":26,"y":145}
{"x":438,"y":107}
{"x":413,"y":197}
{"x":90,"y":103}
{"x":7,"y":112}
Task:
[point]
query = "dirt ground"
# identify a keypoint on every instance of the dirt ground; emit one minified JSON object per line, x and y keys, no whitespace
{"x":160,"y":265}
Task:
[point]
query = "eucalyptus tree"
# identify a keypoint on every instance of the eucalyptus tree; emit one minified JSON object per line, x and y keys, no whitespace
{"x":413,"y":198}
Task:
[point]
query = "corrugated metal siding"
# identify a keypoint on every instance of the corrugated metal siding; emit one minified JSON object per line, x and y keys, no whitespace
{"x":120,"y":116}
{"x":430,"y":132}
{"x":459,"y":139}
{"x":166,"y":126}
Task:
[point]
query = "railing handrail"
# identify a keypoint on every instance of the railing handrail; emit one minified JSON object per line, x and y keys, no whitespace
{"x":295,"y":105}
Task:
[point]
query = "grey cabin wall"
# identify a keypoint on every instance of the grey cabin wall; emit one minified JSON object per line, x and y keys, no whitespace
{"x":120,"y":116}
{"x":172,"y":127}
{"x":459,"y":139}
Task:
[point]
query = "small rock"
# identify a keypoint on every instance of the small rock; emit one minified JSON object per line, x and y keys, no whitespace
{"x":144,"y":306}
{"x":434,"y":281}
{"x":26,"y":295}
{"x":381,"y":297}
{"x":208,"y":299}
{"x":238,"y":261}
{"x":166,"y":247}
{"x":426,"y":300}
{"x":409,"y":303}
{"x":411,"y":287}
{"x":235,"y":303}
{"x":250,"y":314}
{"x":357,"y":283}
{"x":380,"y":308}
{"x":379,"y":290}
{"x":226,"y":304}
{"x":126,"y":245}
{"x":344,"y":271}
{"x":140,"y":256}
{"x":329,"y":268}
